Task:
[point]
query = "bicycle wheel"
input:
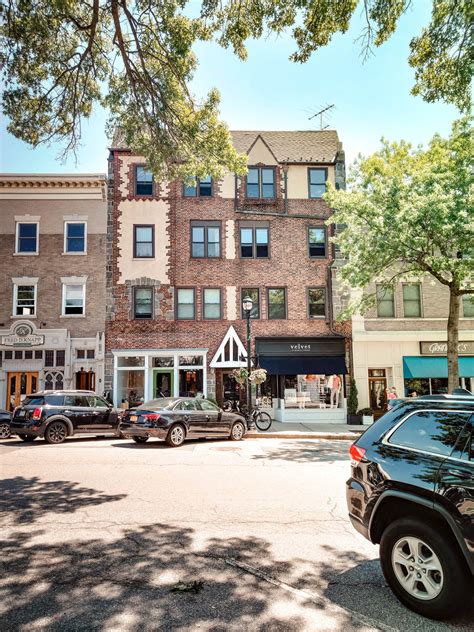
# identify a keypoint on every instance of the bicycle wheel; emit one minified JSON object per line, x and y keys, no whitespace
{"x":263,"y":421}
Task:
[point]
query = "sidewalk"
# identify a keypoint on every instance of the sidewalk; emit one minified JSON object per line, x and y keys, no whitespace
{"x":279,"y":430}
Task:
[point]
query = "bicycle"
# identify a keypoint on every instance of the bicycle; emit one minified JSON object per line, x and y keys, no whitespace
{"x":260,"y":418}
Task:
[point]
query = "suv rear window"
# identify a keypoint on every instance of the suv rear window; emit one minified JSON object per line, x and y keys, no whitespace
{"x":41,"y":400}
{"x":430,"y":431}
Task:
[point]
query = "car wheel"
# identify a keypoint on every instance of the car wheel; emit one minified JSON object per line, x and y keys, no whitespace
{"x":175,"y":436}
{"x":56,"y":432}
{"x":424,"y":568}
{"x":5,"y":431}
{"x":140,"y":439}
{"x":238,"y":431}
{"x":27,"y":438}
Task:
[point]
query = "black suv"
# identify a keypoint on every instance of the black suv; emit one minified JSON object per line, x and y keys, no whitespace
{"x":56,"y":415}
{"x":412,"y":491}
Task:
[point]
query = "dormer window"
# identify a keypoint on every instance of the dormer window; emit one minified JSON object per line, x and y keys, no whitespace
{"x":261,"y":183}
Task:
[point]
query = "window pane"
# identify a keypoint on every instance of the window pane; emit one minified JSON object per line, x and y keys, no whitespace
{"x":411,"y":292}
{"x":317,"y":190}
{"x":212,"y":303}
{"x":190,"y":190}
{"x":144,"y":181}
{"x":144,"y":250}
{"x":75,"y":237}
{"x":205,"y":187}
{"x":276,"y":303}
{"x":27,"y":237}
{"x":143,"y":233}
{"x":411,"y":301}
{"x":252,"y":191}
{"x":198,"y":250}
{"x":213,"y":250}
{"x":317,"y":242}
{"x":25,"y":304}
{"x":213,"y":234}
{"x":75,"y":230}
{"x":198,"y":233}
{"x":143,"y":302}
{"x":252,"y":176}
{"x":435,"y":432}
{"x":185,"y":304}
{"x":254,"y":295}
{"x":74,"y":299}
{"x":27,"y":230}
{"x":246,"y":235}
{"x":385,"y":303}
{"x":317,"y":303}
{"x":468,"y":306}
{"x":185,"y":312}
{"x":143,"y":175}
{"x":317,"y":176}
{"x":268,"y":176}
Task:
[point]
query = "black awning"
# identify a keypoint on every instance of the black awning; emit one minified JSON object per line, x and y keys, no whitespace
{"x":290,"y":365}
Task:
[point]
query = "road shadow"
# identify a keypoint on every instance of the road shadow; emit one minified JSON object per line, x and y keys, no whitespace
{"x":25,"y":500}
{"x":306,"y":451}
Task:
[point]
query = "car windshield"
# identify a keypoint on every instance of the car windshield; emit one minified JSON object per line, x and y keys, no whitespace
{"x":162,"y":402}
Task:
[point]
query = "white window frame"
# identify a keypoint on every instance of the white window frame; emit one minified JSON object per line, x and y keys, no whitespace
{"x":63,"y":302}
{"x":21,"y":282}
{"x":65,"y":250}
{"x":17,"y":238}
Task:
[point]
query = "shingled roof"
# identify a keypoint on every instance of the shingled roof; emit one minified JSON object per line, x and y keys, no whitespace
{"x":298,"y":146}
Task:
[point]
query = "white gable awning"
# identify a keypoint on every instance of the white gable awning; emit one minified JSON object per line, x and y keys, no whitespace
{"x":231,"y":353}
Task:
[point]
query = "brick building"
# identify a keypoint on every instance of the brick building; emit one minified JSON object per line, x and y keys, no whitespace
{"x":402,"y":343}
{"x":52,"y":283}
{"x":181,"y":259}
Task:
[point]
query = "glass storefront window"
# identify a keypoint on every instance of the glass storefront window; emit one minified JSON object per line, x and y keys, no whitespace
{"x":190,"y":382}
{"x":312,"y":391}
{"x":163,"y":361}
{"x":130,"y":388}
{"x":418,"y":386}
{"x":130,"y":361}
{"x":191,"y":360}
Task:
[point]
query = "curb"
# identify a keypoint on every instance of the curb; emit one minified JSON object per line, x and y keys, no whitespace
{"x":341,"y":436}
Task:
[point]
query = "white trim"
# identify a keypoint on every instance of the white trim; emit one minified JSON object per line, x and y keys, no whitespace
{"x":63,"y":301}
{"x":15,"y":297}
{"x":66,"y":224}
{"x":25,"y":280}
{"x":26,"y":221}
{"x":74,"y":280}
{"x":218,"y":361}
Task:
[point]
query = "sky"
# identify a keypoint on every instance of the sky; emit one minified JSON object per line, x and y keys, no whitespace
{"x":269,"y":92}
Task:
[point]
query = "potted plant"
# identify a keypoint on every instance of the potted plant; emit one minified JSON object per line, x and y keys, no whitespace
{"x":258,"y":376}
{"x":353,"y":418}
{"x":240,"y":375}
{"x":367,"y":416}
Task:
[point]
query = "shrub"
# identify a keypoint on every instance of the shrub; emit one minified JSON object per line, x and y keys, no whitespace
{"x":352,"y":400}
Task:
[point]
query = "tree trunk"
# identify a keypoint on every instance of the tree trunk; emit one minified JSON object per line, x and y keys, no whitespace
{"x":453,"y":341}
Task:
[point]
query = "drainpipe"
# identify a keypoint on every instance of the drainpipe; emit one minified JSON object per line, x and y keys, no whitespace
{"x":285,"y":180}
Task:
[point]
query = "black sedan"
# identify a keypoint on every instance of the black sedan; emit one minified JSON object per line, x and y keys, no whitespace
{"x":5,"y":419}
{"x":175,"y":419}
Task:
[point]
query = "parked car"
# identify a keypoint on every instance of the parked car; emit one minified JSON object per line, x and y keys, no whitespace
{"x":391,"y":403}
{"x":412,"y":491}
{"x":175,"y":419}
{"x":55,"y":415}
{"x":5,"y":419}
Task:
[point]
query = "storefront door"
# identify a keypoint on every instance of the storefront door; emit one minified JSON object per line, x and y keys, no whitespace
{"x":377,"y":389}
{"x":163,"y":384}
{"x":20,"y":385}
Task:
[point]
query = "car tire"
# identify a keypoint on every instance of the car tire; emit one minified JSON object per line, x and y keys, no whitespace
{"x":140,"y":439}
{"x":5,"y":432}
{"x":176,"y":436}
{"x":439,"y":589}
{"x":237,"y":432}
{"x":27,"y":438}
{"x":56,"y":432}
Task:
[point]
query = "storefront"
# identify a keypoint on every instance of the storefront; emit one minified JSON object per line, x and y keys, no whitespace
{"x":145,"y":374}
{"x":427,"y":374}
{"x":32,"y":359}
{"x":305,"y":378}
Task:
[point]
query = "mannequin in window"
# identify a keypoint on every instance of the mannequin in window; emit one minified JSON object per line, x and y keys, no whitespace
{"x":334,"y":384}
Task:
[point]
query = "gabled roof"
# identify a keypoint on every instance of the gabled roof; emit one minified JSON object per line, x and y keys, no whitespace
{"x":287,"y":146}
{"x":231,"y":352}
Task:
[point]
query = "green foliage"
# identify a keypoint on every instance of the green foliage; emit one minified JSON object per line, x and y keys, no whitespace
{"x":352,"y":400}
{"x":365,"y":412}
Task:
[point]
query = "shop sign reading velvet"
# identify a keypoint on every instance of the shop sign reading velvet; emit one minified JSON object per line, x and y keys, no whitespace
{"x":441,"y":348}
{"x":22,"y":336}
{"x":300,"y":346}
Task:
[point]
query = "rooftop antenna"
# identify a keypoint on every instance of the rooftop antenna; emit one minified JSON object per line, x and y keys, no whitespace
{"x":320,"y":114}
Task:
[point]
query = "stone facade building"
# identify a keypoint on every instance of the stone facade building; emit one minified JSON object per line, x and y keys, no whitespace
{"x":402,"y":343}
{"x":52,"y":283}
{"x":181,"y":259}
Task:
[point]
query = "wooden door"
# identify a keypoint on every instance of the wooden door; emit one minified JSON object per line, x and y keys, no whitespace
{"x":20,"y":384}
{"x":377,"y":389}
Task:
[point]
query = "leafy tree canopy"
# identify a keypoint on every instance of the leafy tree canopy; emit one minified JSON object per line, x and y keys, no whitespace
{"x":409,"y":213}
{"x":60,"y":58}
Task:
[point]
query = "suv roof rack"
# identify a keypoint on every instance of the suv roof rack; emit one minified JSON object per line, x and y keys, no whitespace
{"x":467,"y":395}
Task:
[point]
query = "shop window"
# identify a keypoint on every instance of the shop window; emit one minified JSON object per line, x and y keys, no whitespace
{"x":317,"y":182}
{"x":412,"y":300}
{"x":130,"y":361}
{"x":193,"y":360}
{"x":435,"y":432}
{"x":143,"y":181}
{"x":18,"y":355}
{"x":317,"y":302}
{"x":130,"y":387}
{"x":54,"y":381}
{"x":163,"y":362}
{"x":185,"y":301}
{"x":190,"y":382}
{"x":311,"y":391}
{"x":211,"y":304}
{"x":49,"y":357}
{"x":254,"y":241}
{"x":200,"y":187}
{"x":385,"y":302}
{"x":468,"y":306}
{"x":90,"y":354}
{"x":254,"y":294}
{"x":27,"y":237}
{"x":73,"y":299}
{"x":317,"y":242}
{"x":8,"y":355}
{"x":85,"y":380}
{"x":261,"y":183}
{"x":420,"y":386}
{"x":75,"y":237}
{"x":28,"y":355}
{"x":143,"y":241}
{"x":38,"y":354}
{"x":143,"y":302}
{"x":60,"y":358}
{"x":276,"y":300}
{"x":24,"y":300}
{"x":205,"y":239}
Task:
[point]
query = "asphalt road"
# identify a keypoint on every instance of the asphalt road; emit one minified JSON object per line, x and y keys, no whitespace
{"x":110,"y":535}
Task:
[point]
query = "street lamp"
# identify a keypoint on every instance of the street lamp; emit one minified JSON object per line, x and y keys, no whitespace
{"x":247,"y":305}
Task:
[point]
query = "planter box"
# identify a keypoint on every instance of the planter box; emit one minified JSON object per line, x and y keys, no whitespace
{"x":367,"y":420}
{"x":354,"y":420}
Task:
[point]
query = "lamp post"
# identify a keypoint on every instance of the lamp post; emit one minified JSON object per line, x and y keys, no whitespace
{"x":247,"y":305}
